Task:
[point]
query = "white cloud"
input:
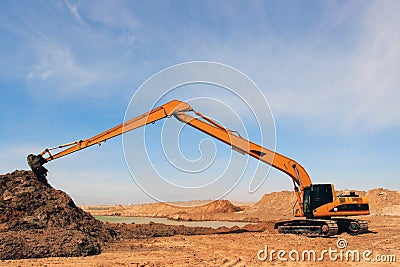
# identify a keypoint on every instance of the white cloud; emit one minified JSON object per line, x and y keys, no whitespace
{"x":69,"y":48}
{"x":57,"y":65}
{"x":113,"y":14}
{"x":74,"y":10}
{"x":342,"y":74}
{"x":377,"y":67}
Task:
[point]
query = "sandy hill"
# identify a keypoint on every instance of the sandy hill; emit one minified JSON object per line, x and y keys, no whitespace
{"x":272,"y":206}
{"x":167,"y":210}
{"x":384,"y":202}
{"x":280,"y":204}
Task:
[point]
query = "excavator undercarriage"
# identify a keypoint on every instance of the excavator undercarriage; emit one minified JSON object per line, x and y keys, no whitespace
{"x":322,"y":227}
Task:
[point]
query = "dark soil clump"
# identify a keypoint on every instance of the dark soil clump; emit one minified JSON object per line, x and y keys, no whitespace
{"x":37,"y":220}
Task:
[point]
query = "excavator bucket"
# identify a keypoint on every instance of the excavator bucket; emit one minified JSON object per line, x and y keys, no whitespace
{"x":36,"y":162}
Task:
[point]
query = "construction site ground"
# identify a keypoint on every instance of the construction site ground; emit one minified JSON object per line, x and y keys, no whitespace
{"x":32,"y":214}
{"x":236,"y":249}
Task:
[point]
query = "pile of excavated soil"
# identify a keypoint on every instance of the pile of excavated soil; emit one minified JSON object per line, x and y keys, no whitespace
{"x":37,"y":220}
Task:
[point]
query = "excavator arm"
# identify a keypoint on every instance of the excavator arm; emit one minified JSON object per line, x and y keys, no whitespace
{"x":146,"y":118}
{"x":36,"y":162}
{"x":180,"y":110}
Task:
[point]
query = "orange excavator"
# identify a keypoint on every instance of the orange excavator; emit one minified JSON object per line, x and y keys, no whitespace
{"x":325,"y":213}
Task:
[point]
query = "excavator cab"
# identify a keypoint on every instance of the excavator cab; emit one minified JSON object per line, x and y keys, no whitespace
{"x":315,"y":196}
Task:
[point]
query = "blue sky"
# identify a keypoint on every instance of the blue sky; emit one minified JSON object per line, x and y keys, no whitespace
{"x":329,"y":69}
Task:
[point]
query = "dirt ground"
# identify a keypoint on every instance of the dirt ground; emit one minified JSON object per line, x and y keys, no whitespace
{"x":240,"y":249}
{"x":39,"y":225}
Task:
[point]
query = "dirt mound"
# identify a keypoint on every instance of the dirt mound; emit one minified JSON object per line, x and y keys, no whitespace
{"x":215,"y":210}
{"x":272,"y":206}
{"x":217,"y":206}
{"x":168,"y":210}
{"x":37,"y":220}
{"x":384,"y":202}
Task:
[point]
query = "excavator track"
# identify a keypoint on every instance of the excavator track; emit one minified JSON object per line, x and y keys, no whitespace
{"x":351,"y":226}
{"x":308,"y":227}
